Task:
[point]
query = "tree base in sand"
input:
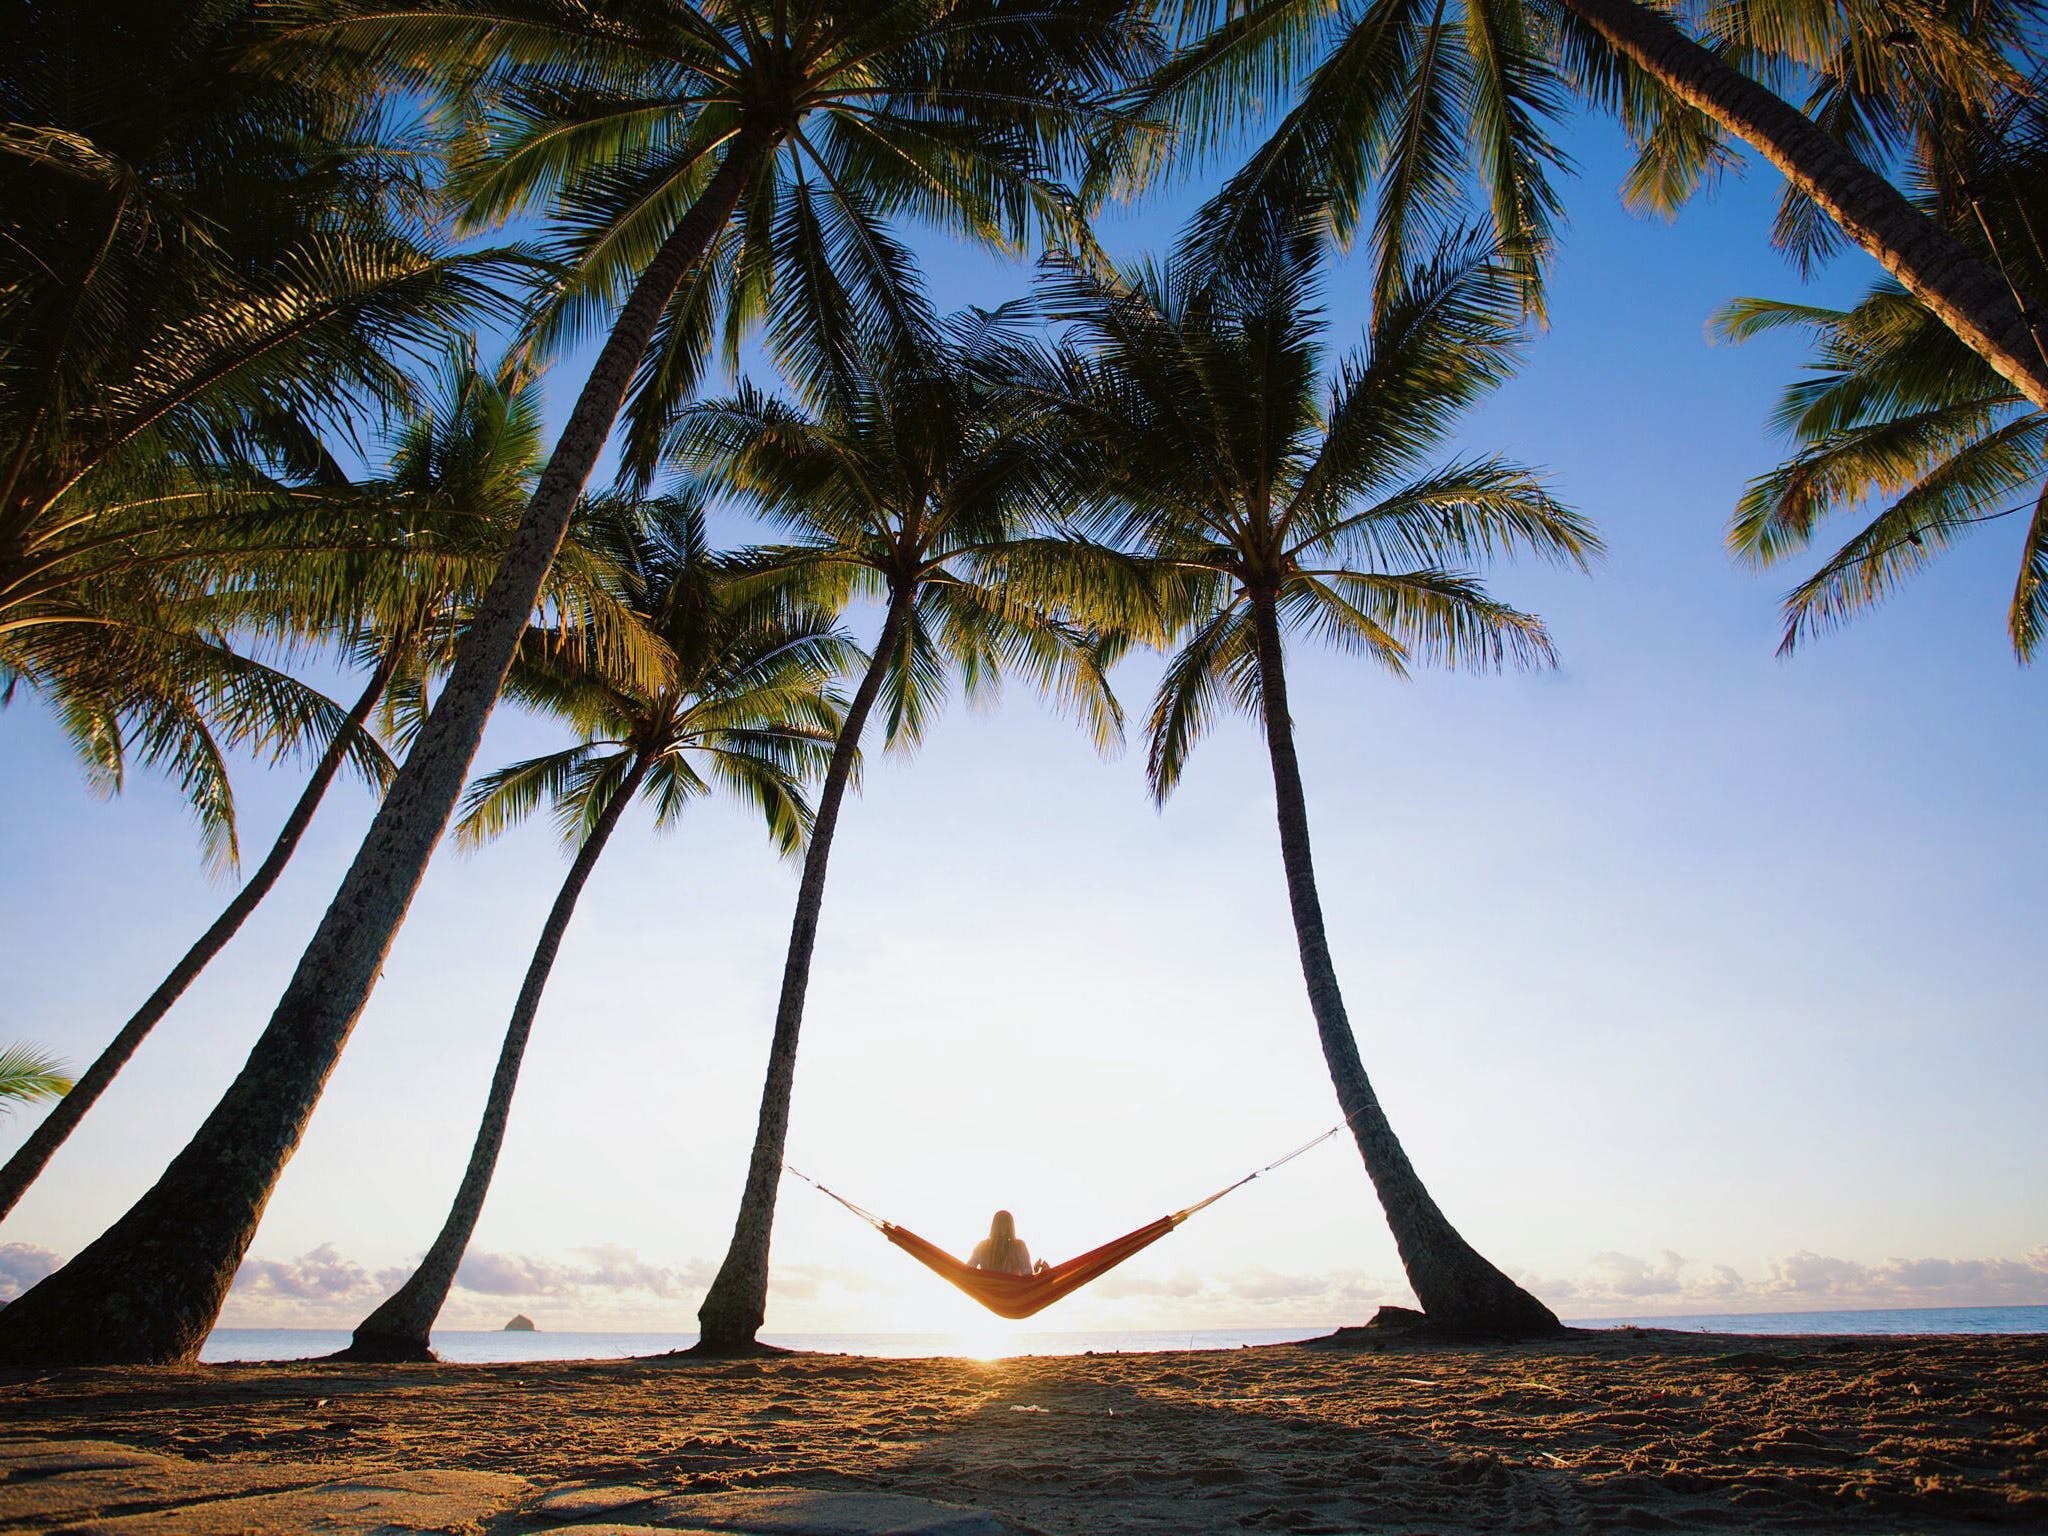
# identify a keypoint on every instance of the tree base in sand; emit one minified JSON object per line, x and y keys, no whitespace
{"x":727,"y":1349}
{"x":385,"y":1349}
{"x":1405,"y":1323}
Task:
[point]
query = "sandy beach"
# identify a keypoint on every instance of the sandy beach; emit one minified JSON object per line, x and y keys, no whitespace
{"x":1611,"y":1431}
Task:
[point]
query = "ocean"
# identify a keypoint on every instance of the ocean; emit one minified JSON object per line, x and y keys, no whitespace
{"x":517,"y":1348}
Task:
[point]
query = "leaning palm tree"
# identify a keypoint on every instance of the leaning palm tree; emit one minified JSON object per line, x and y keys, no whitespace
{"x":27,"y":1076}
{"x":393,"y":565}
{"x":916,"y":486}
{"x":1288,"y":502}
{"x":745,"y":704}
{"x":1387,"y":107}
{"x":684,"y":150}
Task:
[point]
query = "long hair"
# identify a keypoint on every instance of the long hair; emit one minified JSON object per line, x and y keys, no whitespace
{"x":1002,"y":1240}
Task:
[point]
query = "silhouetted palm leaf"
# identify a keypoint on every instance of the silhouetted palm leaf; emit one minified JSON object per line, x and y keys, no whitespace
{"x":28,"y":1076}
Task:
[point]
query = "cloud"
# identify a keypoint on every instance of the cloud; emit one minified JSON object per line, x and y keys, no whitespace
{"x":1914,"y":1282}
{"x":1623,"y":1274}
{"x":1624,"y":1284}
{"x":1815,"y":1274}
{"x":324,"y":1275}
{"x":508,"y":1274}
{"x":608,"y":1268}
{"x":614,"y":1288}
{"x":609,"y":1287}
{"x":1125,"y":1284}
{"x":1261,"y":1286}
{"x":21,"y":1266}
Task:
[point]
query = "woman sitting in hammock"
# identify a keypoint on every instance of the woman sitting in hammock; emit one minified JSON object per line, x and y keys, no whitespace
{"x":1002,"y":1252}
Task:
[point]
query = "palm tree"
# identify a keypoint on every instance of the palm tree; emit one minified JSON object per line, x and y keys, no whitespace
{"x":745,"y":706}
{"x":916,"y":486}
{"x":1398,"y":101}
{"x":671,"y":140}
{"x":27,"y":1075}
{"x":1897,"y":414}
{"x":1291,"y":503}
{"x":394,"y":565}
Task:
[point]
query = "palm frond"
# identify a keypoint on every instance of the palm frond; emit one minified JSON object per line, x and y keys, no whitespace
{"x":28,"y":1076}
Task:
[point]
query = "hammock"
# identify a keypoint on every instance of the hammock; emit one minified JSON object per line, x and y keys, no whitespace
{"x":1020,"y":1296}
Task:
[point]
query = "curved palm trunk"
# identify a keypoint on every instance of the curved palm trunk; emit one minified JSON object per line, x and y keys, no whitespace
{"x":149,"y":1288}
{"x":1967,"y":294}
{"x":1459,"y":1290}
{"x":34,"y":1154}
{"x":400,"y":1328}
{"x":737,"y":1302}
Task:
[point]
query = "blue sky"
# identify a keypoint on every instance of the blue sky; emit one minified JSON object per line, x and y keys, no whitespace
{"x":1694,"y":979}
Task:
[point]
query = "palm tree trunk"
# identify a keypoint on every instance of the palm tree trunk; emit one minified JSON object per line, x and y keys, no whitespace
{"x":149,"y":1288}
{"x":400,"y":1329}
{"x":1967,"y":294}
{"x":737,"y":1302}
{"x":34,"y":1154}
{"x":1459,"y":1290}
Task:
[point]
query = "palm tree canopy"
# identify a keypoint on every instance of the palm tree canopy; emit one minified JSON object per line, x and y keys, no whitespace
{"x":1227,"y":449}
{"x":1387,"y":116}
{"x":203,"y":268}
{"x":1896,"y":416}
{"x":916,"y":481}
{"x":744,"y":701}
{"x":610,"y":120}
{"x":1894,"y":410}
{"x":204,"y":263}
{"x":397,"y":562}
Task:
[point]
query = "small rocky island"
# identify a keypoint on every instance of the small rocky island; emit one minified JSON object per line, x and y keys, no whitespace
{"x":520,"y":1323}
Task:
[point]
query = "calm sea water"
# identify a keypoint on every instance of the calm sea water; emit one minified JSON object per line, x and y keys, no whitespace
{"x":514,"y":1348}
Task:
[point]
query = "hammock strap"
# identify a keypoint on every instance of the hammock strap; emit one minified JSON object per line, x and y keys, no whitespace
{"x":1176,"y":1218}
{"x":861,"y":1211}
{"x":1307,"y":1146}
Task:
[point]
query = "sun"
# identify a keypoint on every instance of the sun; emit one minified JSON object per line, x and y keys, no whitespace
{"x":994,"y":1339}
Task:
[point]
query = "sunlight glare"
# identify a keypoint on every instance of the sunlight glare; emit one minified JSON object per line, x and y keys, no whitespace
{"x":993,"y":1339}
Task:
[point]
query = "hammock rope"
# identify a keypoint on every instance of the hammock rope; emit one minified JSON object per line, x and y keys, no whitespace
{"x":861,"y":1211}
{"x":1019,"y":1296}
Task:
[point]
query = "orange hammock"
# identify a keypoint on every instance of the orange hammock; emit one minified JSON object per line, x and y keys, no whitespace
{"x":1020,"y":1296}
